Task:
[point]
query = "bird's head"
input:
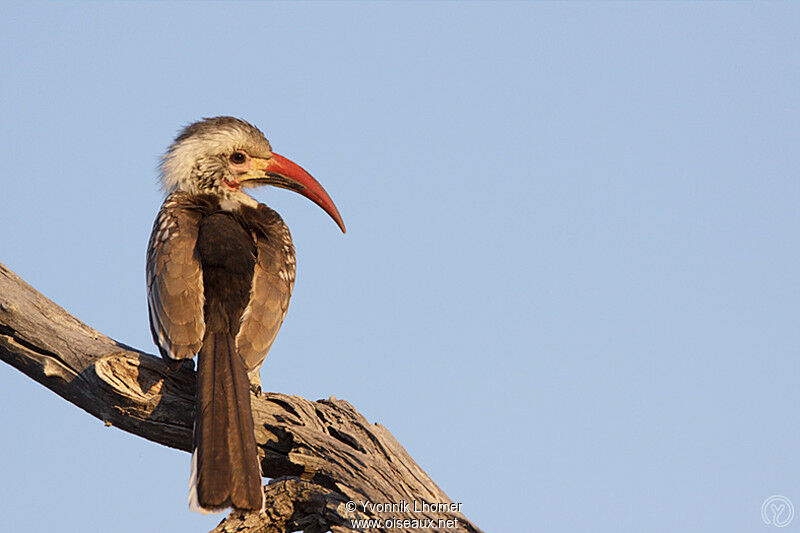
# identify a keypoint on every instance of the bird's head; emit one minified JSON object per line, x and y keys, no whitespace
{"x":223,"y":155}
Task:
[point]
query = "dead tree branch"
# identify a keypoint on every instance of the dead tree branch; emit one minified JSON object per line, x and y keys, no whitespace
{"x":321,"y":455}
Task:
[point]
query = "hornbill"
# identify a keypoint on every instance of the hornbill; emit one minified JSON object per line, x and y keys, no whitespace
{"x":220,"y":271}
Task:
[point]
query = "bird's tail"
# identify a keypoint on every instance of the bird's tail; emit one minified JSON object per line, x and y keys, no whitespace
{"x":225,"y":468}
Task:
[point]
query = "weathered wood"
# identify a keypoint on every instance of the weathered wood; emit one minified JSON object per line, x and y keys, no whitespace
{"x":330,"y":465}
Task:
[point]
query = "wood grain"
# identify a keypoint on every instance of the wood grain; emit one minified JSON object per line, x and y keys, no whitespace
{"x":320,"y":455}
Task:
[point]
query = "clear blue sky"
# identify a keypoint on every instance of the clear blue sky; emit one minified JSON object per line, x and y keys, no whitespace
{"x":570,"y":281}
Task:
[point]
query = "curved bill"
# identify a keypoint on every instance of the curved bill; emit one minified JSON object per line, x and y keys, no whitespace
{"x":286,"y":174}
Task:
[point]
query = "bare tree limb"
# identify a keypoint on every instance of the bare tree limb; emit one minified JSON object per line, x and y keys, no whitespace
{"x":330,"y":466}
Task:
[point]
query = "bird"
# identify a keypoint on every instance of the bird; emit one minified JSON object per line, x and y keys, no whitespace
{"x":220,"y":271}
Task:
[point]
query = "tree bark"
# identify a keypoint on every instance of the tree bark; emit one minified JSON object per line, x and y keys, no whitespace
{"x":330,"y":466}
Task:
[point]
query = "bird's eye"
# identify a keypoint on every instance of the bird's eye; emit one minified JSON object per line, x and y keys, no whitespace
{"x":237,"y":158}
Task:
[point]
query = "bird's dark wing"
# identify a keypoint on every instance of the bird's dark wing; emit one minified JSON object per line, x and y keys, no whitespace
{"x":175,"y":279}
{"x":273,"y":280}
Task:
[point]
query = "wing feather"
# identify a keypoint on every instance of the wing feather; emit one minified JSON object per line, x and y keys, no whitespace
{"x":175,"y":280}
{"x":273,"y":280}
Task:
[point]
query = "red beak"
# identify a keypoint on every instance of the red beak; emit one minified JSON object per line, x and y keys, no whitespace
{"x":287,"y":174}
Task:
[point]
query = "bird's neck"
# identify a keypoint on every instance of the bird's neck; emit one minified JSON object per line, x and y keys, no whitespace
{"x":229,"y":200}
{"x":206,"y":177}
{"x":233,"y":200}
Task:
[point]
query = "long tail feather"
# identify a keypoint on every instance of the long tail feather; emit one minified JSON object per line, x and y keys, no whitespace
{"x":225,"y":468}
